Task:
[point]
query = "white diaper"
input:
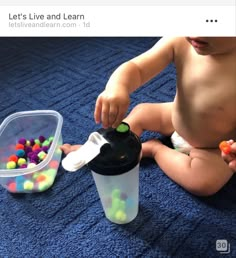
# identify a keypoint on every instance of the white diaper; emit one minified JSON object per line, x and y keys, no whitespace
{"x":180,"y":144}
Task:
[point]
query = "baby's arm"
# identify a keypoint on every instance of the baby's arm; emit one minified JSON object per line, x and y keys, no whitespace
{"x":113,"y":102}
{"x":228,"y":153}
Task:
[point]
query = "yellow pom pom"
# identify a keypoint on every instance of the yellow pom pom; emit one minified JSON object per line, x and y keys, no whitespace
{"x":121,"y":216}
{"x":11,"y":165}
{"x":21,"y":161}
{"x":27,"y":143}
{"x":28,"y":185}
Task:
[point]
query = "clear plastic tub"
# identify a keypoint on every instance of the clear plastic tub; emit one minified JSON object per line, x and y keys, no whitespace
{"x":30,"y":125}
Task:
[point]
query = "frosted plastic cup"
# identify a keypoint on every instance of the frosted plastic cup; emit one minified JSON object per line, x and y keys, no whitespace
{"x":116,"y":174}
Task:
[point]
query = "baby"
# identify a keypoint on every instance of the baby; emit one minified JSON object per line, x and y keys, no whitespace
{"x":202,"y":114}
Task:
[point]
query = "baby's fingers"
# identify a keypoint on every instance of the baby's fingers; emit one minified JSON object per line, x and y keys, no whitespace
{"x":113,"y":112}
{"x":233,"y":147}
{"x":226,"y":157}
{"x":232,"y":165}
{"x":98,"y":110}
{"x":119,"y":117}
{"x":105,"y":114}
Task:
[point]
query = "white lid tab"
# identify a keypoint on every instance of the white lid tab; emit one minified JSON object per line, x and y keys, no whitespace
{"x":87,"y":152}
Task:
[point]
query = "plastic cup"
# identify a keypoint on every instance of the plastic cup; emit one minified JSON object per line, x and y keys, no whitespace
{"x":116,"y":174}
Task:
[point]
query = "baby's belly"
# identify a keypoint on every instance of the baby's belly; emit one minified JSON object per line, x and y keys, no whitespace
{"x":201,"y":132}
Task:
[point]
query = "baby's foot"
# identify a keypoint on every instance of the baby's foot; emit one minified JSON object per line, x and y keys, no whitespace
{"x":150,"y":148}
{"x":67,"y":148}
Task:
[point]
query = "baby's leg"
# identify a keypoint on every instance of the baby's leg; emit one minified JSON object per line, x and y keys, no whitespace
{"x":203,"y":172}
{"x":151,"y":117}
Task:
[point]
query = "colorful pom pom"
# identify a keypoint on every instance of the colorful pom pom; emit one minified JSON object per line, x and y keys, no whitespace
{"x":11,"y":165}
{"x":35,"y":147}
{"x":31,"y":142}
{"x":42,"y":155}
{"x":54,"y":164}
{"x":28,"y":149}
{"x":41,"y":178}
{"x":120,"y":216}
{"x":225,"y":147}
{"x":28,"y":185}
{"x":46,"y":143}
{"x":31,"y":165}
{"x":13,"y":158}
{"x":20,"y":146}
{"x":42,"y":138}
{"x":12,"y":187}
{"x":45,"y":148}
{"x":51,"y":138}
{"x":20,"y":153}
{"x":37,"y":141}
{"x":21,"y":161}
{"x":27,"y":143}
{"x":22,"y":141}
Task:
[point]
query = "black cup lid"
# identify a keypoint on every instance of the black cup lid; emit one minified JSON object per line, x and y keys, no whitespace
{"x":121,"y":154}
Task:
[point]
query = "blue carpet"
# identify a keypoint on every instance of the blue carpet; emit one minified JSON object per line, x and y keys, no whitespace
{"x":67,"y":74}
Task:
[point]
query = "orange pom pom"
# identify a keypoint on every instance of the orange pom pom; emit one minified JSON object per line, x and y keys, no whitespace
{"x":13,"y":158}
{"x":40,"y":178}
{"x":35,"y":147}
{"x":225,"y":147}
{"x":19,"y":146}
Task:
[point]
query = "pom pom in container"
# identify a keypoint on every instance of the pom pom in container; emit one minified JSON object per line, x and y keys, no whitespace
{"x":28,"y":126}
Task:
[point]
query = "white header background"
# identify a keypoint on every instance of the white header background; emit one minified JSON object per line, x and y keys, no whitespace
{"x":119,"y":2}
{"x":102,"y":20}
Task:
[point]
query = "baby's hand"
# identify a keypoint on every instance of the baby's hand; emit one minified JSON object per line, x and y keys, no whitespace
{"x":228,"y":153}
{"x":111,"y":107}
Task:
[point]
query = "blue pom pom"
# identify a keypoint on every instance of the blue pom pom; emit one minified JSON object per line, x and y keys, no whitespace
{"x":20,"y":153}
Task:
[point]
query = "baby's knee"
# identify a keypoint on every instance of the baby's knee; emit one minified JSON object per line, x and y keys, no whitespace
{"x":203,"y":189}
{"x":136,"y":119}
{"x":140,"y":109}
{"x":206,"y":186}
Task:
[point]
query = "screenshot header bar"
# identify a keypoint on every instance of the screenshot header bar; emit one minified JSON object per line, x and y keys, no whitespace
{"x":117,"y":20}
{"x":119,"y":2}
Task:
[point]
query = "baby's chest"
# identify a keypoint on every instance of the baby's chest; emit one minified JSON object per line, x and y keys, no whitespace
{"x":209,"y":96}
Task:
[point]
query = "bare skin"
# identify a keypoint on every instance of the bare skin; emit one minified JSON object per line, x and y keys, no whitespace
{"x":203,"y":111}
{"x":231,"y":157}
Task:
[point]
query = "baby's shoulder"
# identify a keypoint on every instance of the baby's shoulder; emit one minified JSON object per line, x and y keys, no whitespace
{"x":178,"y":45}
{"x":181,"y":44}
{"x":181,"y":48}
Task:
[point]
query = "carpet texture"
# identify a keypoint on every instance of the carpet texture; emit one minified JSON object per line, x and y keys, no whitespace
{"x":66,"y":75}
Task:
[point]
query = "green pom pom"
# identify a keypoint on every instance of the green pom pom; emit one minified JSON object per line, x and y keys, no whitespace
{"x":37,"y":141}
{"x":42,"y":155}
{"x":115,"y":193}
{"x":51,"y":138}
{"x":122,"y":128}
{"x":42,"y":186}
{"x":46,"y":143}
{"x":51,"y":172}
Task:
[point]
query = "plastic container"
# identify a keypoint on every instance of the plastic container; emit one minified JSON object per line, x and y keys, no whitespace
{"x":30,"y":125}
{"x":116,"y":173}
